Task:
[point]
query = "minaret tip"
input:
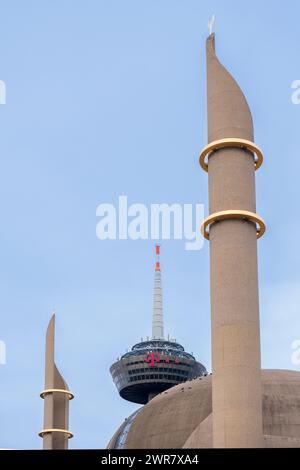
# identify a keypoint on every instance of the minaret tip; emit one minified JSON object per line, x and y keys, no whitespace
{"x":211,"y":23}
{"x":228,"y":112}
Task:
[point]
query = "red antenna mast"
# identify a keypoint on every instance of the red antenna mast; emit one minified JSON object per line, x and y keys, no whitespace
{"x":158,"y":320}
{"x":157,"y":251}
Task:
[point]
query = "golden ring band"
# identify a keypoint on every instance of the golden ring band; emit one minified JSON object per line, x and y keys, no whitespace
{"x":50,"y":431}
{"x":57,"y":390}
{"x":233,"y":214}
{"x":231,"y":142}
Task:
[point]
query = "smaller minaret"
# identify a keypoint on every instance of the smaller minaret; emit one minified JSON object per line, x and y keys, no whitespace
{"x":56,"y":396}
{"x":158,"y":318}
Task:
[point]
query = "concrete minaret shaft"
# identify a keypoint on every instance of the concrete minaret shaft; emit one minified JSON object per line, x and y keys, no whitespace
{"x":233,"y":228}
{"x":158,"y":318}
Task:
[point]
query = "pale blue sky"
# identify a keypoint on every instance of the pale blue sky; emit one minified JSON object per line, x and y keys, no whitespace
{"x":107,"y":98}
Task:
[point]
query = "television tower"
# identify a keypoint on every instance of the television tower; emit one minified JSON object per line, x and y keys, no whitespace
{"x":157,"y":364}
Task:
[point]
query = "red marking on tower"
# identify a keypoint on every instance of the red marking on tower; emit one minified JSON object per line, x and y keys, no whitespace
{"x":152,"y":358}
{"x":157,"y":251}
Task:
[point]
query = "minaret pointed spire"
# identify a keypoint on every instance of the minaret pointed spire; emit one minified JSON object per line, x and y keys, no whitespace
{"x":229,"y":114}
{"x":157,"y":319}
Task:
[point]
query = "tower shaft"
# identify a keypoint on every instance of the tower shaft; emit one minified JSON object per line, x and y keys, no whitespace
{"x":237,"y":392}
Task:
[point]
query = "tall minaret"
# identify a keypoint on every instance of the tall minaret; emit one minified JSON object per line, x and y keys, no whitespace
{"x":158,"y":318}
{"x":231,"y":158}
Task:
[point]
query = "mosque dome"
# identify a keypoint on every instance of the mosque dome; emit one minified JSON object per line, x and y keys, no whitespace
{"x":181,"y":417}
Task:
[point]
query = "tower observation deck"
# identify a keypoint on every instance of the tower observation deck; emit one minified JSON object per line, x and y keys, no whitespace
{"x":155,"y":365}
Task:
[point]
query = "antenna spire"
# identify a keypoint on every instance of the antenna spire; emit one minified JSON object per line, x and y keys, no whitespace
{"x":157,"y":320}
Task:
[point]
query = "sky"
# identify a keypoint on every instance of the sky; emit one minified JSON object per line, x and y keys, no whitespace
{"x":108,"y":98}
